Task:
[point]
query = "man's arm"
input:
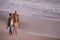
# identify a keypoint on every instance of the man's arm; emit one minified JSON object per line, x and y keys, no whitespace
{"x":8,"y":23}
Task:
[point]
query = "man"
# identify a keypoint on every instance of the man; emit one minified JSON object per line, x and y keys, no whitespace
{"x":16,"y":22}
{"x":10,"y":23}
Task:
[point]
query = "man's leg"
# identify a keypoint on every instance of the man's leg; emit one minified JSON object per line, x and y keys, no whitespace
{"x":11,"y":29}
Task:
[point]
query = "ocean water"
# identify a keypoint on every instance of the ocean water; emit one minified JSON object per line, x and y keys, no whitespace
{"x":45,"y":9}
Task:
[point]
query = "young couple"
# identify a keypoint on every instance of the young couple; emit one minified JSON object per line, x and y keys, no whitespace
{"x":13,"y":23}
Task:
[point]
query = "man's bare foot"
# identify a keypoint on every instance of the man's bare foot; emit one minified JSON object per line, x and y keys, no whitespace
{"x":10,"y":34}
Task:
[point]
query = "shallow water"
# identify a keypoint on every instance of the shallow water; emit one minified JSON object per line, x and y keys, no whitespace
{"x":46,"y":9}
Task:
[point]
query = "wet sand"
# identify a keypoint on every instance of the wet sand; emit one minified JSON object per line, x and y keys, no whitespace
{"x":20,"y":36}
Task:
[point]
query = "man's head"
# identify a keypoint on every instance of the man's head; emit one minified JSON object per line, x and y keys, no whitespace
{"x":10,"y":14}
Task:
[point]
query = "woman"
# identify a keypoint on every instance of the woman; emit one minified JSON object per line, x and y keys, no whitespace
{"x":16,"y":22}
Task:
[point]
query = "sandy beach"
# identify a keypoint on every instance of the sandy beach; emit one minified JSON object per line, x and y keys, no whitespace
{"x":20,"y":36}
{"x":28,"y":24}
{"x":39,"y":19}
